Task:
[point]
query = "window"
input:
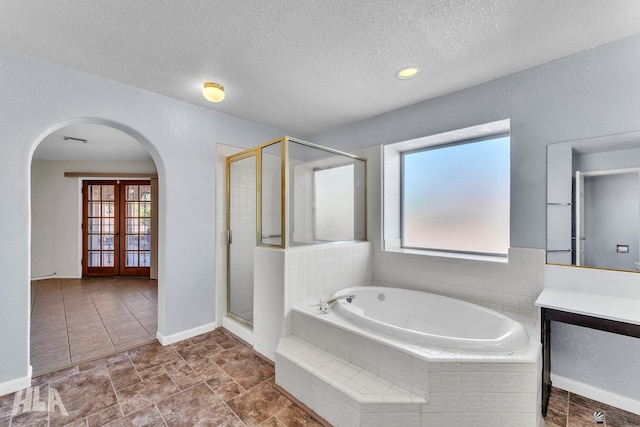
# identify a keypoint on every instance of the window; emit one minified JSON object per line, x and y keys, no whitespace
{"x":449,"y":192}
{"x":456,"y":197}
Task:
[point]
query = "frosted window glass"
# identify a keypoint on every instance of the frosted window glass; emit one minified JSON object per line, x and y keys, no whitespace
{"x":456,"y":197}
{"x":334,"y":203}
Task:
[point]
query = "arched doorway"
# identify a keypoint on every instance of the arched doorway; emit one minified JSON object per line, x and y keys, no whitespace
{"x":73,"y":318}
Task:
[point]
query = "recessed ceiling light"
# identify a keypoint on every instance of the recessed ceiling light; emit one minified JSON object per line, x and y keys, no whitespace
{"x":407,"y":72}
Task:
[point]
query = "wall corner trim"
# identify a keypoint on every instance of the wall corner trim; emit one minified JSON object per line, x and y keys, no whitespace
{"x":14,"y":385}
{"x":173,"y":338}
{"x":619,"y":401}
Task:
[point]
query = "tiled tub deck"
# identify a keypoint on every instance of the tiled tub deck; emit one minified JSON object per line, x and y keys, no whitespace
{"x":352,"y":377}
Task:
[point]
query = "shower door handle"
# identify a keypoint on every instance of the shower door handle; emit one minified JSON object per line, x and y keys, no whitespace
{"x":229,"y":236}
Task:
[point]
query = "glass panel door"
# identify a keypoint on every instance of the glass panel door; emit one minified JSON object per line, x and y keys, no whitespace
{"x":135,"y":249}
{"x":100,"y":226}
{"x":241,"y":214}
{"x":111,"y":208}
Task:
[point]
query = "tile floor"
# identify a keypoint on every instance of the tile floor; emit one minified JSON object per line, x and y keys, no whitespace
{"x":75,"y":320}
{"x":573,"y":410}
{"x":209,"y":380}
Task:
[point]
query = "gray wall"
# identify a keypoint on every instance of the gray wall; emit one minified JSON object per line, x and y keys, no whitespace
{"x":38,"y":98}
{"x":596,"y":92}
{"x":611,"y":206}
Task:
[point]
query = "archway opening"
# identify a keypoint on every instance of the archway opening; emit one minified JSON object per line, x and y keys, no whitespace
{"x":94,"y":204}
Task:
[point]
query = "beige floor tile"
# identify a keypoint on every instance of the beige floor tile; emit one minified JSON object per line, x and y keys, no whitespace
{"x":72,"y":318}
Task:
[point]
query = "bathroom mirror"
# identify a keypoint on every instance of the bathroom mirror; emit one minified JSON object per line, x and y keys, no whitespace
{"x":593,"y":202}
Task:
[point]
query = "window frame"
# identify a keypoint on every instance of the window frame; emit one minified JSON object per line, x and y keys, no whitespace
{"x":393,"y":191}
{"x":403,"y":155}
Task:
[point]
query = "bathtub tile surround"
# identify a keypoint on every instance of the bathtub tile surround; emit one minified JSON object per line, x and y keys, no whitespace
{"x":269,"y":267}
{"x":458,"y":388}
{"x":283,"y":278}
{"x":346,"y":393}
{"x":345,"y":374}
{"x":506,"y":287}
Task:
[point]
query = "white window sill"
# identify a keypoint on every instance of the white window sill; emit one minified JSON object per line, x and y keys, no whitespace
{"x":450,"y":255}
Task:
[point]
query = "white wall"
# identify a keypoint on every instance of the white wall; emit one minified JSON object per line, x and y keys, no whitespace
{"x":38,"y":98}
{"x":56,"y":214}
{"x":592,"y":93}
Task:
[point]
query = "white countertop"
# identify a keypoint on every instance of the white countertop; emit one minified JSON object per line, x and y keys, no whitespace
{"x":602,"y":306}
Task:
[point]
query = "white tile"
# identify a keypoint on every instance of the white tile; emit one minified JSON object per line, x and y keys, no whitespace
{"x":511,"y":382}
{"x":530,"y":403}
{"x":471,"y":382}
{"x":403,"y":371}
{"x":434,"y":403}
{"x":397,"y":398}
{"x":530,"y":382}
{"x":492,"y":402}
{"x":349,"y":371}
{"x":419,"y":363}
{"x":420,"y":378}
{"x":491,"y":420}
{"x":451,"y":402}
{"x":335,"y":364}
{"x":451,"y":420}
{"x":471,"y":367}
{"x":378,"y":385}
{"x":385,"y":364}
{"x":435,"y":382}
{"x":512,"y":402}
{"x":451,"y":381}
{"x":361,"y":379}
{"x":491,"y":382}
{"x":529,"y":420}
{"x":397,"y":419}
{"x":471,"y":420}
{"x":471,"y":402}
{"x":432,"y":419}
{"x":492,"y":367}
{"x":510,"y":420}
{"x":435,"y":367}
{"x":451,"y":367}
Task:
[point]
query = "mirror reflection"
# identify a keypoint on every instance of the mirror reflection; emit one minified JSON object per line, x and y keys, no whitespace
{"x":593,"y":202}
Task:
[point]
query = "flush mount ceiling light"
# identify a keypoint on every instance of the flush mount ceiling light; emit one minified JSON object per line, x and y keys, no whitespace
{"x":213,"y":92}
{"x":407,"y":73}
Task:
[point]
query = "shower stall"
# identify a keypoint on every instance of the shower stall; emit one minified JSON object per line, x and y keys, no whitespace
{"x":287,"y":193}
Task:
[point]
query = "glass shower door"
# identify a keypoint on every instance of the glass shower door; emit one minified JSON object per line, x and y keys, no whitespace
{"x":241,"y":184}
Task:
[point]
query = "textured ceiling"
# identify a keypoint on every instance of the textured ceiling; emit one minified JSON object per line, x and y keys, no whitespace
{"x":103,"y":143}
{"x":306,"y":66}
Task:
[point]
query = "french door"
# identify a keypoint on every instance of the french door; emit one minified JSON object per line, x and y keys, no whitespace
{"x":116,"y":228}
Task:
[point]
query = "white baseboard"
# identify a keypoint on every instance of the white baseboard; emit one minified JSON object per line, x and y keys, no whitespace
{"x":173,"y":338}
{"x":12,"y":386}
{"x":55,"y":276}
{"x":604,"y":396}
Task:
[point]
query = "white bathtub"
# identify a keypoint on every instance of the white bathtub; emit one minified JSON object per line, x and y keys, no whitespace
{"x":431,"y":320}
